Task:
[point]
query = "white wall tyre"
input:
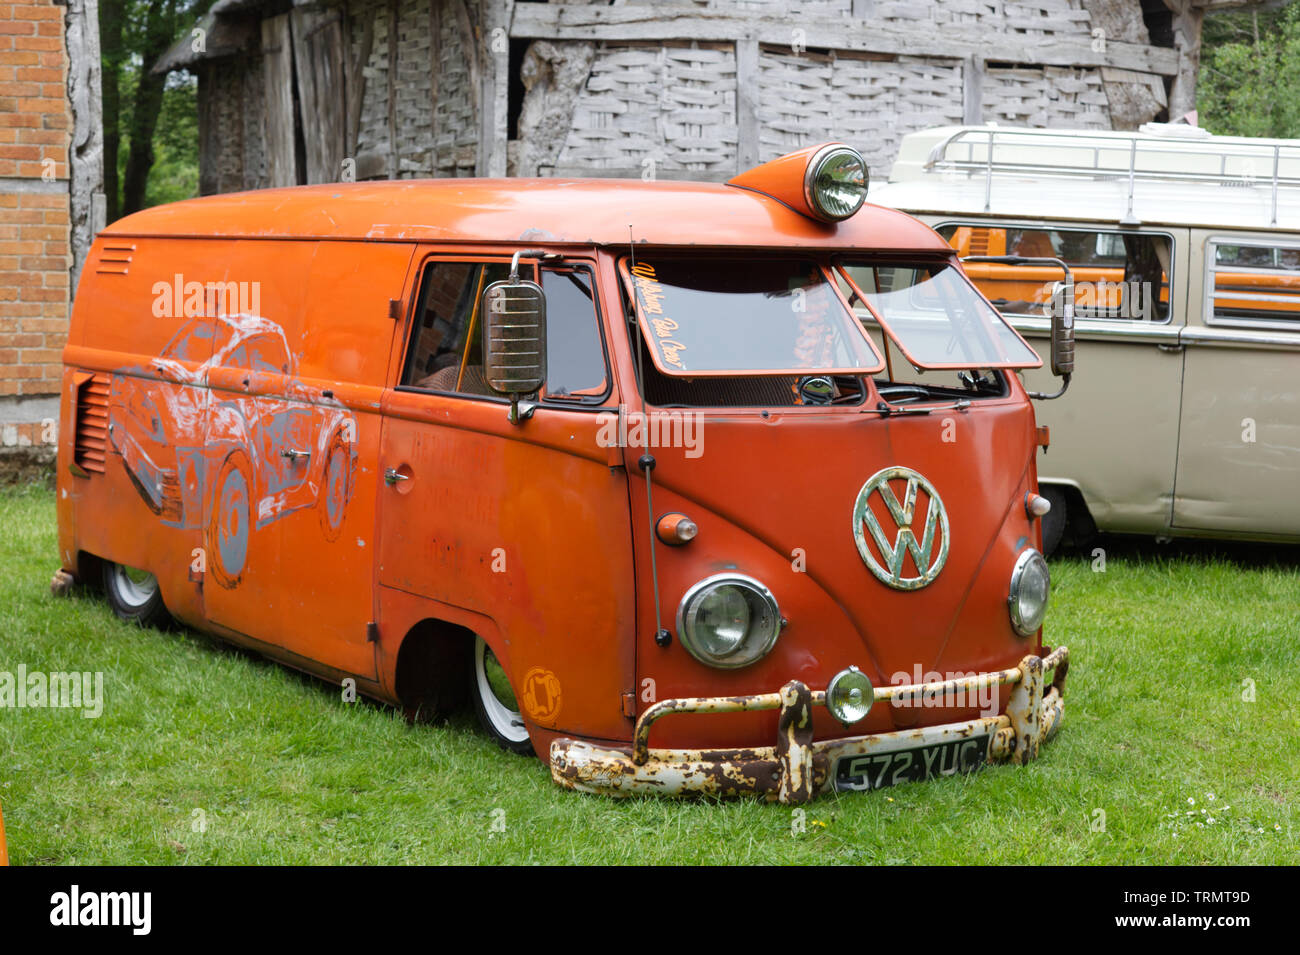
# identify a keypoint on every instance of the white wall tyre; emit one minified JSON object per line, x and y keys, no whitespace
{"x":134,"y":595}
{"x":494,"y":701}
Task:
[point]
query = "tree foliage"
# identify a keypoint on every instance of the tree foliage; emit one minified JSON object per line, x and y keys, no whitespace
{"x":1250,"y":73}
{"x":150,"y":121}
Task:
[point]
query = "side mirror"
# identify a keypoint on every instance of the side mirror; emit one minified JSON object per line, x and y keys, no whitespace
{"x":514,"y":337}
{"x":1063,"y":326}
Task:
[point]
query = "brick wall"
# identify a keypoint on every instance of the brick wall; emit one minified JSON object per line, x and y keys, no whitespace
{"x":35,"y":119}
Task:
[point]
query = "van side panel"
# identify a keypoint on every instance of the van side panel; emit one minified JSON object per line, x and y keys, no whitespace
{"x":326,"y":571}
{"x":134,"y":405}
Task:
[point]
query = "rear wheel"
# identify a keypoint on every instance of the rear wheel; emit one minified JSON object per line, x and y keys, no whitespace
{"x":1054,"y":521}
{"x":134,"y":595}
{"x":494,"y":701}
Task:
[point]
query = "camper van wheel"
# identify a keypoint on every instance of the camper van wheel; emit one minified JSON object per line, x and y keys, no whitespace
{"x":134,"y":594}
{"x":494,"y":702}
{"x":1054,"y":521}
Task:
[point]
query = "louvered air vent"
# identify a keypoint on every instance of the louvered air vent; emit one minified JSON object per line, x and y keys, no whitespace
{"x":92,"y":424}
{"x":115,"y":258}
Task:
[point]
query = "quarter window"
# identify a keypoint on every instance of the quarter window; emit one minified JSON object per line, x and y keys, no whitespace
{"x":1254,"y":284}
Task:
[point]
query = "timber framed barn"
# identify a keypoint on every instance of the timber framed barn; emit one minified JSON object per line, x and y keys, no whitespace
{"x":294,"y":92}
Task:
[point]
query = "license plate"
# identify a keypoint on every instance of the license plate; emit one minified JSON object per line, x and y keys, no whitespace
{"x":878,"y":770}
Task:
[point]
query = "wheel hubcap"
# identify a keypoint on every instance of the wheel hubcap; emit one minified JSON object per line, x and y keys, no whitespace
{"x":497,"y":696}
{"x":135,"y":587}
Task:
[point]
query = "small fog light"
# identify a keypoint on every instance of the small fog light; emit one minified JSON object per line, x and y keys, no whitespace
{"x":850,"y":695}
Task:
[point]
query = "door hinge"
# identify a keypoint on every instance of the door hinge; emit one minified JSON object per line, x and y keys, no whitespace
{"x":372,"y":632}
{"x":395,"y":308}
{"x":1044,"y":437}
{"x":629,"y":704}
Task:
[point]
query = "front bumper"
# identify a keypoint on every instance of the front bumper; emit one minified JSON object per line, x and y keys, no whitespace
{"x":798,"y":768}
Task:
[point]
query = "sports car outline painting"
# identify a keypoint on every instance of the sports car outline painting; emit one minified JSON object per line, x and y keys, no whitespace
{"x":231,"y":463}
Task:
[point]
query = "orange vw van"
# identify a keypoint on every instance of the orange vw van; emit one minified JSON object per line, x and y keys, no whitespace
{"x":721,"y":488}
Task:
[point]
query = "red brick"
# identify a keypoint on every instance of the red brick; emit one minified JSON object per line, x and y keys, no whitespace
{"x":38,"y":74}
{"x":42,"y":355}
{"x":56,"y":217}
{"x":39,"y":200}
{"x":8,"y":388}
{"x":20,"y":57}
{"x":19,"y":371}
{"x":22,"y":247}
{"x":49,"y":28}
{"x":41,"y":104}
{"x":20,"y":152}
{"x":44,"y":44}
{"x":17,"y":28}
{"x":25,"y":340}
{"x":23,"y":11}
{"x":23,"y":215}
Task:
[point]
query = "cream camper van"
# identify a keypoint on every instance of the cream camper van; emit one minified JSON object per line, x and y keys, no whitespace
{"x":1185,"y":252}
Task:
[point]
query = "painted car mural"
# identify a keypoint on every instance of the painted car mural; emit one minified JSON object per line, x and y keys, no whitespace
{"x":257,"y":459}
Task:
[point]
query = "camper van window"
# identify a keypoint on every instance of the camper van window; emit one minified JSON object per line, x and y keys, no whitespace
{"x":1119,"y":276}
{"x":1254,"y":284}
{"x":576,"y":370}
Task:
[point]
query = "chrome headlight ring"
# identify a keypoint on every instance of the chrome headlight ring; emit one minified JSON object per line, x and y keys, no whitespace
{"x":1031,"y":586}
{"x":728,"y":621}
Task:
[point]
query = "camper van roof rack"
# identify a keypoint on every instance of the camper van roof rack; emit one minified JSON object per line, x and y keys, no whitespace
{"x":1166,"y":153}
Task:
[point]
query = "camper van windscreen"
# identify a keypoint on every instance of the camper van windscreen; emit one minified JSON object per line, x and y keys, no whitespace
{"x":707,"y":316}
{"x":935,"y":316}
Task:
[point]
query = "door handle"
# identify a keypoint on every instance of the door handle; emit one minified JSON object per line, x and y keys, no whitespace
{"x":294,"y":454}
{"x":392,"y":476}
{"x":1172,"y":349}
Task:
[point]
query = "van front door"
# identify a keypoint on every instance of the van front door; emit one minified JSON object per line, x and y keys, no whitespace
{"x":518,"y":531}
{"x":1239,"y":442}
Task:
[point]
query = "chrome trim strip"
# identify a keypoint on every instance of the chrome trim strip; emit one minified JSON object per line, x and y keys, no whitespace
{"x":1240,"y":336}
{"x":1119,"y":329}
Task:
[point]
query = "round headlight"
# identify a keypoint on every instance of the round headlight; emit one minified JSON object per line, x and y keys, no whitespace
{"x":835,"y":185}
{"x":728,"y":620}
{"x":1030,"y":585}
{"x":849,"y":695}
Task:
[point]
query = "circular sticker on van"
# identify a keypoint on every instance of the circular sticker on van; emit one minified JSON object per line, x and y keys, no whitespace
{"x":878,"y":507}
{"x":541,"y":695}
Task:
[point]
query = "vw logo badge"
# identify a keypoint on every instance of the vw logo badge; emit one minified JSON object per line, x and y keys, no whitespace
{"x":905,"y":540}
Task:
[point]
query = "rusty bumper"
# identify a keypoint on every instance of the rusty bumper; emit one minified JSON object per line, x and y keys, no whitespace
{"x":797,"y":768}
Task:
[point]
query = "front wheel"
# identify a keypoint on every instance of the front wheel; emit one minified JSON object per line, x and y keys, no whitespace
{"x":494,"y":701}
{"x":134,"y":595}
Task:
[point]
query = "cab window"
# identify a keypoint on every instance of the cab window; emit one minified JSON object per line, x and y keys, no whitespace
{"x":1118,"y":275}
{"x":446,"y":349}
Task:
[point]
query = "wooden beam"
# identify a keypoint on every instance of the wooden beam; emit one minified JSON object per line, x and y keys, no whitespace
{"x":392,"y":89}
{"x":972,"y":98}
{"x":318,"y":57}
{"x":747,"y":125}
{"x":642,"y":23}
{"x":277,"y":68}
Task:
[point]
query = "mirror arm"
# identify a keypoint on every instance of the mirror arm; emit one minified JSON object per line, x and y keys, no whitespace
{"x":1044,"y":396}
{"x":520,"y":411}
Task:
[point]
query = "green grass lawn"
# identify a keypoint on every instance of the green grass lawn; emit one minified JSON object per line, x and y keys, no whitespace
{"x":1156,"y":736}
